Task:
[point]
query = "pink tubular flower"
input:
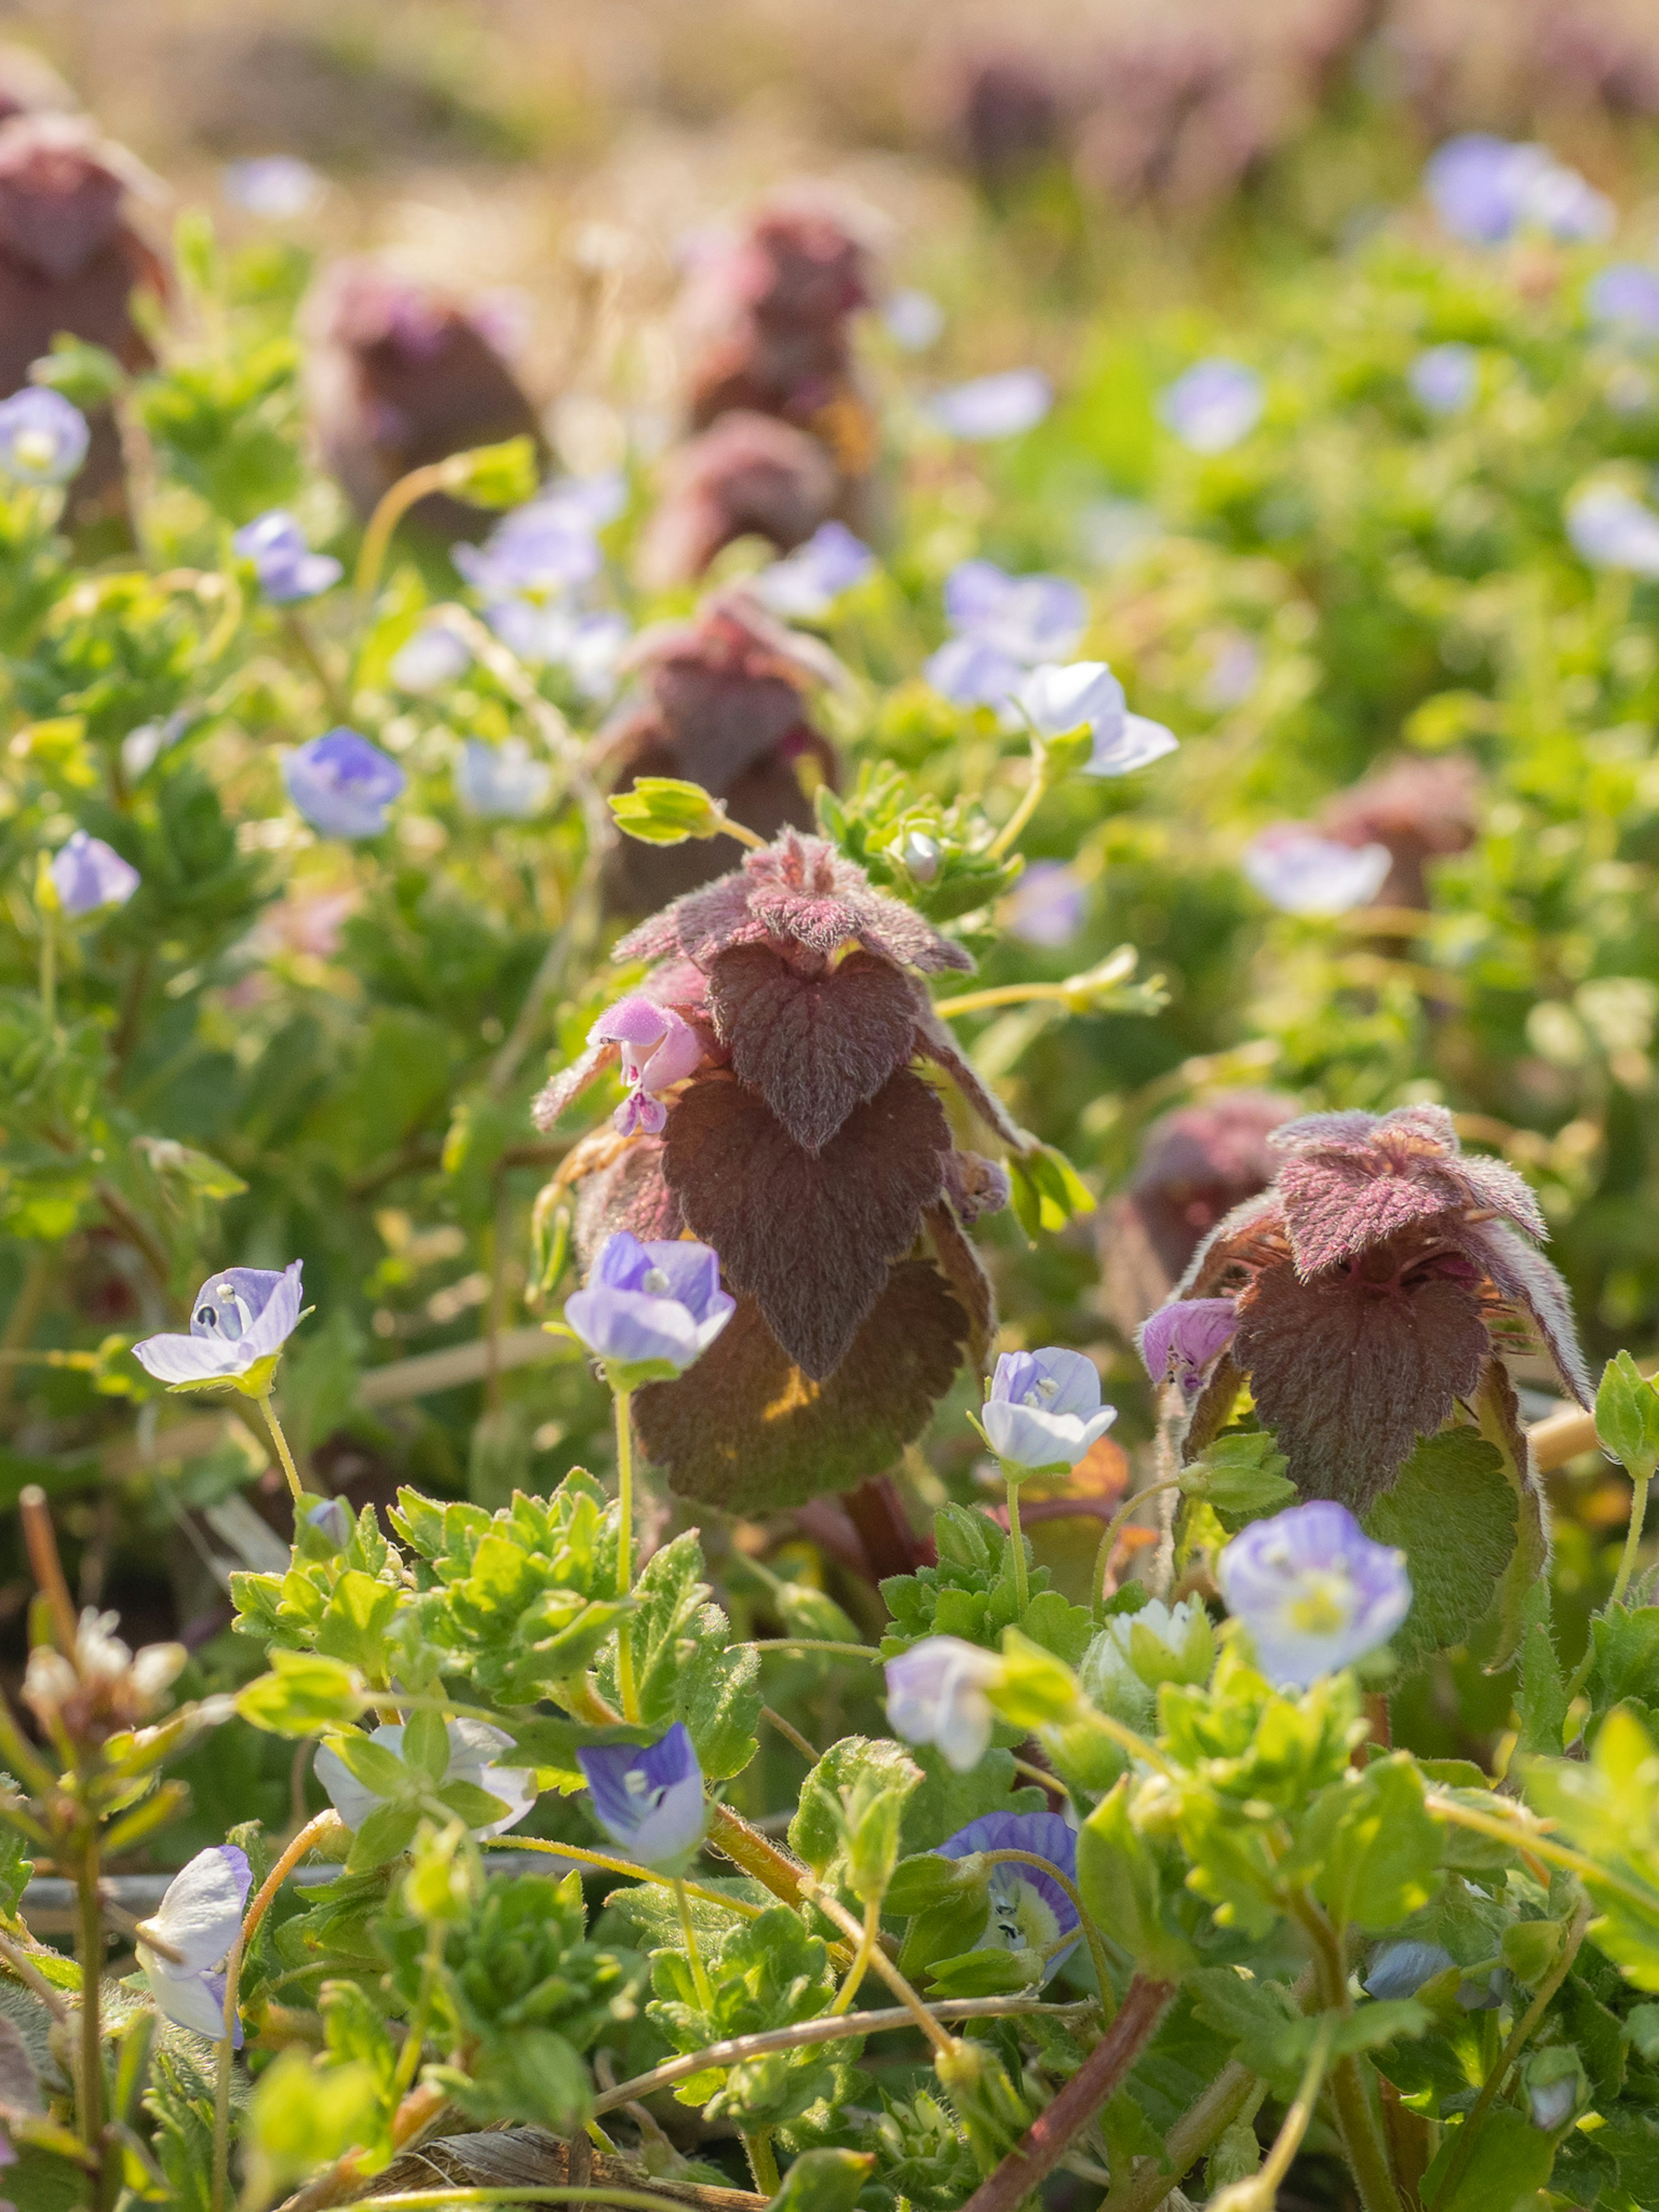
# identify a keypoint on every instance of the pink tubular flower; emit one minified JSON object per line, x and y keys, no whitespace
{"x":1182,"y":1341}
{"x":657,"y":1047}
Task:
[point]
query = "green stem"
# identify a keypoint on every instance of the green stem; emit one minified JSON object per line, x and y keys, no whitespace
{"x":91,"y":1917}
{"x":435,"y":475}
{"x":700,"y":1980}
{"x":814,"y":1644}
{"x":630,"y":1696}
{"x":409,"y":2058}
{"x":1017,"y":1541}
{"x":222,"y":2056}
{"x":269,"y":1410}
{"x":1496,"y":2082}
{"x":585,"y":1857}
{"x":1639,"y":1514}
{"x":762,"y":2164}
{"x":1356,"y":2121}
{"x":1000,"y":995}
{"x":1545,"y":1847}
{"x":1114,"y":1528}
{"x":48,"y":968}
{"x":1288,"y":2141}
{"x":855,"y":1972}
{"x":1038,"y":784}
{"x":833,"y":1909}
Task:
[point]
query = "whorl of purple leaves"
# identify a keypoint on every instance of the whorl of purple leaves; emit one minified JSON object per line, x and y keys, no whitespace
{"x":398,"y":375}
{"x":723,"y":703}
{"x":748,"y":475}
{"x":805,"y":1151}
{"x":1375,"y":1281}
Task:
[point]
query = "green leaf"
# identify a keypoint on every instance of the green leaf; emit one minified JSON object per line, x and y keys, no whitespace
{"x":824,"y":2181}
{"x":947,"y":1801}
{"x":371,"y":1764}
{"x":1368,"y":1846}
{"x":1059,"y":1626}
{"x":662,"y":809}
{"x":499,"y":476}
{"x":352,"y":2029}
{"x":386,"y":1834}
{"x":1452,"y":1512}
{"x":303,"y":1693}
{"x":1625,"y":1667}
{"x":858,"y":1780}
{"x":359,"y":1612}
{"x":1123,"y":1887}
{"x":1511,"y":2164}
{"x":1608,"y":1806}
{"x":929,"y":1880}
{"x":1241,"y":1478}
{"x":1542,"y":1693}
{"x":426,"y":1745}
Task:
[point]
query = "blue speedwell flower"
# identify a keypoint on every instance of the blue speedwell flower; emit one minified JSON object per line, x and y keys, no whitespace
{"x":1212,"y":406}
{"x":343,"y":785}
{"x":1006,"y":405}
{"x":1314,"y":1591}
{"x":1302,"y":873}
{"x":548,"y":546}
{"x":1443,"y":378}
{"x":1005,"y":627}
{"x":936,"y":1694}
{"x":240,"y":1320}
{"x":434,"y":656}
{"x":1610,"y":528}
{"x":87,"y":875}
{"x":276,"y":187}
{"x":287,"y":568}
{"x":501,"y":783}
{"x":1043,"y":1409}
{"x":648,"y":1798}
{"x":1485,"y":189}
{"x":200,"y":1917}
{"x":1086,"y":695}
{"x":43,"y":439}
{"x":649,"y":1311}
{"x":807,"y":582}
{"x":1046,"y":905}
{"x":1029,"y":1910}
{"x":1625,"y":297}
{"x":473,"y":1746}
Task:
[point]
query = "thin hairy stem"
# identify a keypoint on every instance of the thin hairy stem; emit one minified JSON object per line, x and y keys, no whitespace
{"x":791,"y":1735}
{"x":630,"y":1696}
{"x":816,"y":1643}
{"x":1294,"y":2126}
{"x":700,"y":1980}
{"x":585,"y":1857}
{"x":1357,"y":2120}
{"x":41,"y":1542}
{"x":268,"y":1408}
{"x":1090,"y":1934}
{"x":762,"y":2164}
{"x":1114,"y":1528}
{"x":832,"y":1908}
{"x":90,"y":1916}
{"x":855,"y":1972}
{"x":1037,"y":786}
{"x":1537,"y":1842}
{"x":394,"y":504}
{"x":1017,"y":1541}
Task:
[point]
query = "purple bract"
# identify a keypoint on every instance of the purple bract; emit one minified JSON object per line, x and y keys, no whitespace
{"x":1182,"y":1341}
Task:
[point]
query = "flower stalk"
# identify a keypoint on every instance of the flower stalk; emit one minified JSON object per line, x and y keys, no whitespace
{"x":630,"y":1696}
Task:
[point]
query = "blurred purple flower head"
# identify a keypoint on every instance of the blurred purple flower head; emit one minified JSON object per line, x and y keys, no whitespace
{"x":936,"y":1694}
{"x":649,"y":1311}
{"x":1182,"y":1341}
{"x":43,"y":439}
{"x":1485,"y":189}
{"x":548,"y":546}
{"x":435,"y":657}
{"x":239,"y":1318}
{"x":200,"y":1917}
{"x":1214,"y":405}
{"x":1029,"y":1910}
{"x":807,"y":582}
{"x":990,"y":407}
{"x":501,"y":783}
{"x":473,"y":1746}
{"x":1043,"y":1409}
{"x":588,"y":647}
{"x":276,"y":187}
{"x":343,"y":784}
{"x":1234,"y":671}
{"x":1313,"y":1589}
{"x":914,"y":320}
{"x":1420,"y":810}
{"x":658,"y":1047}
{"x":1046,"y":905}
{"x":1005,"y":625}
{"x":1444,"y":378}
{"x":648,"y":1798}
{"x":1610,"y":528}
{"x":1625,"y":297}
{"x":88,"y":875}
{"x":1008,"y":118}
{"x":747,"y":476}
{"x":1058,"y":700}
{"x":1301,"y":872}
{"x":285,"y":565}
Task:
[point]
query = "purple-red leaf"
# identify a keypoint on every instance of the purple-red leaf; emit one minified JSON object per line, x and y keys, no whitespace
{"x":807,"y":1236}
{"x":814,"y":1046}
{"x":1348,"y":1373}
{"x":630,"y":1194}
{"x":965,"y":1272}
{"x":747,"y":1430}
{"x":1529,"y":1282}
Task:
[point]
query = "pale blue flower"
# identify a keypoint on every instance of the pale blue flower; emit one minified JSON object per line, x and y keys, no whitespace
{"x":1002,"y":406}
{"x":548,"y":546}
{"x":1029,"y":1910}
{"x":501,"y":783}
{"x":1005,"y":625}
{"x":648,"y":1798}
{"x":807,"y":582}
{"x":936,"y":1694}
{"x":588,"y":647}
{"x":1444,"y":378}
{"x":239,"y":1317}
{"x":199,"y":1918}
{"x":1485,"y":189}
{"x":433,"y":658}
{"x":276,"y":187}
{"x":472,"y":1748}
{"x":1214,"y":405}
{"x":1301,"y":872}
{"x":284,"y":563}
{"x":1046,"y":905}
{"x":88,"y":875}
{"x":43,"y":438}
{"x":649,"y":1311}
{"x":1625,"y":297}
{"x":1043,"y":1409}
{"x":343,"y":784}
{"x":914,"y":320}
{"x":1313,"y":1589}
{"x":1058,"y":700}
{"x":1610,"y":528}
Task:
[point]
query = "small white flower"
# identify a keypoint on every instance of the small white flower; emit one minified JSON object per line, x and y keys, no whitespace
{"x":471,"y":1745}
{"x":936,"y":1694}
{"x":199,"y":1919}
{"x":1302,"y":873}
{"x":1044,"y":1409}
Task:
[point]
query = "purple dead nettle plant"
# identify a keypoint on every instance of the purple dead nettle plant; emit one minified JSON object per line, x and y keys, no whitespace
{"x":1378,"y":1284}
{"x":805,"y":1150}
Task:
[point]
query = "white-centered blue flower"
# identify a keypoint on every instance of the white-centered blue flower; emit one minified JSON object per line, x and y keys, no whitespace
{"x":1029,"y":1910}
{"x":1302,"y":873}
{"x":1486,"y":189}
{"x":914,"y":320}
{"x":1043,"y":1410}
{"x":240,"y":1320}
{"x":504,"y":782}
{"x":807,"y":582}
{"x":344,"y":785}
{"x":472,"y":1748}
{"x":1214,"y":405}
{"x":1085,"y":694}
{"x":648,"y":1797}
{"x":43,"y":438}
{"x":1314,"y":1591}
{"x":649,"y":1311}
{"x":936,"y":1694}
{"x":198,"y":1919}
{"x":287,"y":569}
{"x":1004,"y":626}
{"x":1006,"y":405}
{"x":1610,"y":528}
